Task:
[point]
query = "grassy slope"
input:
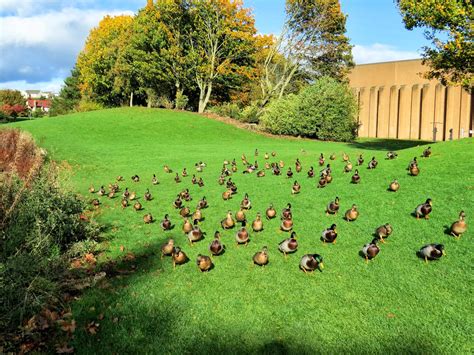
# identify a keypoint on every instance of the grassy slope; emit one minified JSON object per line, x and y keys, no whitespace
{"x":395,"y":304}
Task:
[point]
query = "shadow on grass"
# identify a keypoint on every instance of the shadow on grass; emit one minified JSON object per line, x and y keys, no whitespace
{"x":387,"y":144}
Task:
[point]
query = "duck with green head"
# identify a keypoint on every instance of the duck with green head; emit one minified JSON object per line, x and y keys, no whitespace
{"x":329,"y":235}
{"x":432,"y":252}
{"x":424,"y":209}
{"x":311,"y":262}
{"x":288,"y":245}
{"x":370,"y":250}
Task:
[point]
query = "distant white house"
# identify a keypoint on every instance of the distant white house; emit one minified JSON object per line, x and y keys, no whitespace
{"x":38,"y":99}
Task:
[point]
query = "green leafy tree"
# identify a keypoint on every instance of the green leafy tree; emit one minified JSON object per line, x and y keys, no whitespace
{"x":11,"y":97}
{"x":68,"y":97}
{"x":449,"y":26}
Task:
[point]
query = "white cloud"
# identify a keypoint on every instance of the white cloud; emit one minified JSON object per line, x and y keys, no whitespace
{"x":378,"y":52}
{"x":53,"y":85}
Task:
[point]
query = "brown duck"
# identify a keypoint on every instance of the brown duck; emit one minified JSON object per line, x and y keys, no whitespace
{"x":352,"y":214}
{"x":187,"y":226}
{"x":260,"y":258}
{"x":148,"y":218}
{"x":459,"y":227}
{"x":204,"y":263}
{"x":165,"y":223}
{"x":195,"y":234}
{"x":424,"y":209}
{"x":178,"y":202}
{"x":394,"y":186}
{"x":185,"y":211}
{"x":289,"y":245}
{"x":179,"y":257}
{"x":167,"y":248}
{"x":242,"y":235}
{"x":333,"y":206}
{"x":228,"y":222}
{"x":383,"y":232}
{"x":257,"y":224}
{"x":356,"y":177}
{"x":270,"y":212}
{"x":216,"y":247}
{"x":329,"y":235}
{"x":370,"y":250}
{"x":246,"y":204}
{"x":137,"y":206}
{"x":240,"y":216}
{"x":296,"y":188}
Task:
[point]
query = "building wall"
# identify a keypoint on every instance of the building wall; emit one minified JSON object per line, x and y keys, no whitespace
{"x":396,"y":102}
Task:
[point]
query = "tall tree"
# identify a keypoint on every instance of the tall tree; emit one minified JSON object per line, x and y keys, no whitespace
{"x":449,"y":26}
{"x":222,"y":44}
{"x":68,"y":97}
{"x":96,"y":63}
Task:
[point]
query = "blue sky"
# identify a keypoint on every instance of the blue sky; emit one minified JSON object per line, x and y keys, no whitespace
{"x":40,"y":39}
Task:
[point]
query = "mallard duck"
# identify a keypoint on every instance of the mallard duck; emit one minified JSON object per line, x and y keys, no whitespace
{"x":198,"y":168}
{"x":298,"y":166}
{"x":204,"y":263}
{"x":165,"y":223}
{"x":200,"y":182}
{"x":267,"y":165}
{"x":256,"y":152}
{"x":384,"y":231}
{"x":234,"y":168}
{"x":427,"y":152}
{"x":257,"y":224}
{"x":432,"y":252}
{"x":266,"y":156}
{"x":111,"y":194}
{"x":126,"y":193}
{"x":281,"y":164}
{"x":321,"y":160}
{"x":345,"y":157}
{"x":261,"y":173}
{"x":286,"y":224}
{"x":322,"y":181}
{"x":221,"y":180}
{"x":194,"y":180}
{"x":186,"y":195}
{"x":228,"y":222}
{"x":195,"y":234}
{"x":327,"y":170}
{"x":348,"y":167}
{"x":187,"y":226}
{"x":311,"y":172}
{"x":177,"y":203}
{"x":179,"y":257}
{"x":391,"y":155}
{"x":394,"y":185}
{"x":124,"y":203}
{"x":332,"y":156}
{"x":240,"y":215}
{"x":311,"y":262}
{"x":289,"y":245}
{"x":148,"y":218}
{"x":296,"y":188}
{"x":203,"y":203}
{"x":167,"y":169}
{"x":370,"y":250}
{"x":197,"y":214}
{"x":147,"y":196}
{"x":328,"y":178}
{"x":227,"y":195}
{"x":216,"y":247}
{"x":459,"y":227}
{"x":101,"y":191}
{"x":154,"y":180}
{"x":246,"y":204}
{"x":289,"y":173}
{"x":352,"y":214}
{"x":119,"y":178}
{"x":95,"y":202}
{"x":286,"y":212}
{"x":91,"y":189}
{"x":412,"y":162}
{"x":333,"y":206}
{"x":329,"y":235}
{"x":244,"y":159}
{"x":360,"y":160}
{"x":270,"y":212}
{"x":255,"y":165}
{"x":184,"y":173}
{"x":137,"y":206}
{"x":414,"y":170}
{"x":356,"y":177}
{"x":185,"y":211}
{"x":177,"y":179}
{"x":276,"y":170}
{"x":424,"y":209}
{"x":372,"y":163}
{"x":167,"y":248}
{"x":260,"y":258}
{"x":274,"y":154}
{"x":132,"y":196}
{"x":136,"y":178}
{"x":242,"y":235}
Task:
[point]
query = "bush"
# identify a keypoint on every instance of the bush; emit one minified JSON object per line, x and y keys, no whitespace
{"x":86,"y":105}
{"x":227,"y":110}
{"x":251,"y":113}
{"x":181,"y":101}
{"x":38,"y":224}
{"x":164,"y":102}
{"x":326,"y":110}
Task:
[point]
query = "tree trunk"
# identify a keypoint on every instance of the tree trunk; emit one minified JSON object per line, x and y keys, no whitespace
{"x":204,"y":96}
{"x":131,"y":99}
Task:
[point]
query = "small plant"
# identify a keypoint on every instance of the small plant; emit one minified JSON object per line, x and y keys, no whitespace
{"x":86,"y":105}
{"x":181,"y":101}
{"x":164,"y":102}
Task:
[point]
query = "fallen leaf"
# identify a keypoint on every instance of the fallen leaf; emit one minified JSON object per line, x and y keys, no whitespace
{"x":129,"y":257}
{"x":101,"y":316}
{"x":90,"y":258}
{"x":68,"y":326}
{"x":76,"y":264}
{"x":122,"y":248}
{"x":93,"y":327}
{"x":64,"y":349}
{"x":390,"y":315}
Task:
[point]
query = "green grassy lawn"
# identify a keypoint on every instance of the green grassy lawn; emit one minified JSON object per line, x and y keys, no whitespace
{"x":395,"y":304}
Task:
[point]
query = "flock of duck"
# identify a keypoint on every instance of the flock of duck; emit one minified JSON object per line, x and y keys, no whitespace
{"x":308,"y":262}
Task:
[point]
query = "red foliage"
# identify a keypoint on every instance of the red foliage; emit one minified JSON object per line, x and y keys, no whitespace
{"x":13,"y":110}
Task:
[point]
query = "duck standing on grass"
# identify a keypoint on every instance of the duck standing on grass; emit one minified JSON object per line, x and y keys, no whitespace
{"x":289,"y":245}
{"x":360,"y":160}
{"x":147,"y":195}
{"x":260,"y":258}
{"x":216,"y":247}
{"x":296,"y":188}
{"x":431,"y":252}
{"x":352,"y":214}
{"x":246,"y":204}
{"x":383,"y":232}
{"x":321,"y":160}
{"x":310,"y":262}
{"x":187,"y":226}
{"x":311,"y":172}
{"x":356,"y":177}
{"x":242,"y":235}
{"x":204,"y":263}
{"x":372,"y":163}
{"x":392,"y":155}
{"x":178,"y":202}
{"x":424,"y":209}
{"x":329,"y":235}
{"x":257,"y":224}
{"x":228,"y":222}
{"x":270,"y":212}
{"x":165,"y":223}
{"x":394,"y":186}
{"x":370,"y":250}
{"x":154,"y":180}
{"x":333,"y":206}
{"x":203,"y":203}
{"x":196,"y":234}
{"x":148,"y":218}
{"x":459,"y":227}
{"x":179,"y":257}
{"x":427,"y":152}
{"x":167,"y":248}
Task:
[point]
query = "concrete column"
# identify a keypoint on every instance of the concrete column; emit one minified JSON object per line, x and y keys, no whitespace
{"x":465,"y":115}
{"x":453,"y":110}
{"x":427,"y":112}
{"x":373,"y":106}
{"x":440,"y":93}
{"x":415,"y":112}
{"x":404,"y":112}
{"x":364,"y":102}
{"x":383,"y":112}
{"x":393,"y":114}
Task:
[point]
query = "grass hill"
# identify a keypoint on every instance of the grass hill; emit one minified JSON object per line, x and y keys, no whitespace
{"x":395,"y":304}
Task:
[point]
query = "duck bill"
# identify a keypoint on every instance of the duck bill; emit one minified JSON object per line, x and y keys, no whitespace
{"x":444,"y":252}
{"x":321,"y":266}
